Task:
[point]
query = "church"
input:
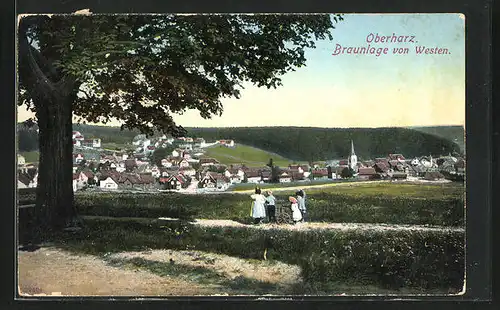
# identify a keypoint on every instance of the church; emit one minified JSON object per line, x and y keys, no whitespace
{"x":352,"y":160}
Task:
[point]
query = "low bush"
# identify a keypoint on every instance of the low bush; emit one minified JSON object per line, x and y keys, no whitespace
{"x":391,"y":259}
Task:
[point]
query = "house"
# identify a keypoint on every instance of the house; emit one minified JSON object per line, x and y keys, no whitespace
{"x":266,"y":175}
{"x":93,"y":143}
{"x":382,"y":160}
{"x":427,"y":162}
{"x":396,"y":157}
{"x":253,"y":176}
{"x":108,"y":183}
{"x":183,"y":163}
{"x":20,"y":160}
{"x":155,"y":171}
{"x":208,"y":161}
{"x":176,"y":181}
{"x":367,"y":173}
{"x":187,"y":171}
{"x":208,"y":181}
{"x":228,"y":143}
{"x":77,"y":158}
{"x":285,"y":177}
{"x":214,"y":180}
{"x":343,"y":162}
{"x":86,"y":178}
{"x":176,"y":153}
{"x":320,"y":174}
{"x":234,"y":175}
{"x":166,"y":163}
{"x":368,"y":163}
{"x":396,"y":165}
{"x":77,"y":136}
{"x":199,"y":142}
{"x":149,"y":149}
{"x":75,"y":182}
{"x":381,"y":167}
{"x":120,"y":167}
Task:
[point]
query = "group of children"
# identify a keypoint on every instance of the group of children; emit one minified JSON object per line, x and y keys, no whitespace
{"x":262,"y":202}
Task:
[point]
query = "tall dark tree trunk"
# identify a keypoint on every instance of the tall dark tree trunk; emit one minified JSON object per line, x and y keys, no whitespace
{"x":53,"y":94}
{"x":55,"y":177}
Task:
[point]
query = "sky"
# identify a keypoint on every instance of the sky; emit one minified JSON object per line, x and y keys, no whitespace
{"x":360,"y":90}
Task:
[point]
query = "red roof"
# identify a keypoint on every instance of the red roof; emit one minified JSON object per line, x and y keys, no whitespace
{"x":366,"y":171}
{"x":320,"y":172}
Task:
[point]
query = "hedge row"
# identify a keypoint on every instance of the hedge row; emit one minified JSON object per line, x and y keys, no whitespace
{"x":326,"y":207}
{"x":422,"y":260}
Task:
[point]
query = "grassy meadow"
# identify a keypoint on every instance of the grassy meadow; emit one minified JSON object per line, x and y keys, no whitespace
{"x":331,"y":261}
{"x":30,"y":157}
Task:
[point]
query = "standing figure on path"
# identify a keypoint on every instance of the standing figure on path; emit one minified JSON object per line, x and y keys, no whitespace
{"x":302,"y":204}
{"x":296,"y":214}
{"x":271,"y":207}
{"x":258,"y":208}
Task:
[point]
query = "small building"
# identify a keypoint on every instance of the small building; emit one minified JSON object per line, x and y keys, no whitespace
{"x":20,"y":160}
{"x":320,"y":174}
{"x":108,"y":183}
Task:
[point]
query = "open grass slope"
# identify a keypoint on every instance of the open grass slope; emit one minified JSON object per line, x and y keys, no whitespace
{"x":244,"y":154}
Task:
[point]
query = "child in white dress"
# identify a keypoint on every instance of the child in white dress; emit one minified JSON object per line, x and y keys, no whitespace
{"x":258,"y":207}
{"x":296,"y":214}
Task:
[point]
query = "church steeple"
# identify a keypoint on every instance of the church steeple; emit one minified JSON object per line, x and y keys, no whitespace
{"x":353,"y":159}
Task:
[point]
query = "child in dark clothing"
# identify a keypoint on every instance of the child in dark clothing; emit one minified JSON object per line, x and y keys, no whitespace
{"x":271,"y":207}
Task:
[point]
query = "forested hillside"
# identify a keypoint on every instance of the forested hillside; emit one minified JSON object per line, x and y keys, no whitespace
{"x":295,"y":143}
{"x":311,"y":144}
{"x":452,"y":133}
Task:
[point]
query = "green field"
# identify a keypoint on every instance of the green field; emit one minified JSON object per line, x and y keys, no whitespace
{"x":30,"y":157}
{"x":331,"y":261}
{"x":243,"y":154}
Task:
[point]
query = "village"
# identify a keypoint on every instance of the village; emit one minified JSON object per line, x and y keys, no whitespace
{"x":187,"y":169}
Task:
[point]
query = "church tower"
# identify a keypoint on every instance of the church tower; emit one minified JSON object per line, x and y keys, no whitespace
{"x":353,"y":159}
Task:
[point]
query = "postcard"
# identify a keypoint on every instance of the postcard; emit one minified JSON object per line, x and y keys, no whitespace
{"x":241,"y":155}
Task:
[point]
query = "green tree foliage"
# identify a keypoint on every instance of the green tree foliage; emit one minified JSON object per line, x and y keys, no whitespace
{"x":302,"y":143}
{"x":216,"y":169}
{"x":346,"y":173}
{"x":159,"y":154}
{"x":27,"y":139}
{"x":141,"y":69}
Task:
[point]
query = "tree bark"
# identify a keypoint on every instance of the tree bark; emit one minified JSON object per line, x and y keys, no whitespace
{"x":53,"y":95}
{"x":55,"y":196}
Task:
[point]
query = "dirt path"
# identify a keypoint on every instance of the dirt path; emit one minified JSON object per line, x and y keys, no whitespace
{"x":50,"y":271}
{"x":318,"y":225}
